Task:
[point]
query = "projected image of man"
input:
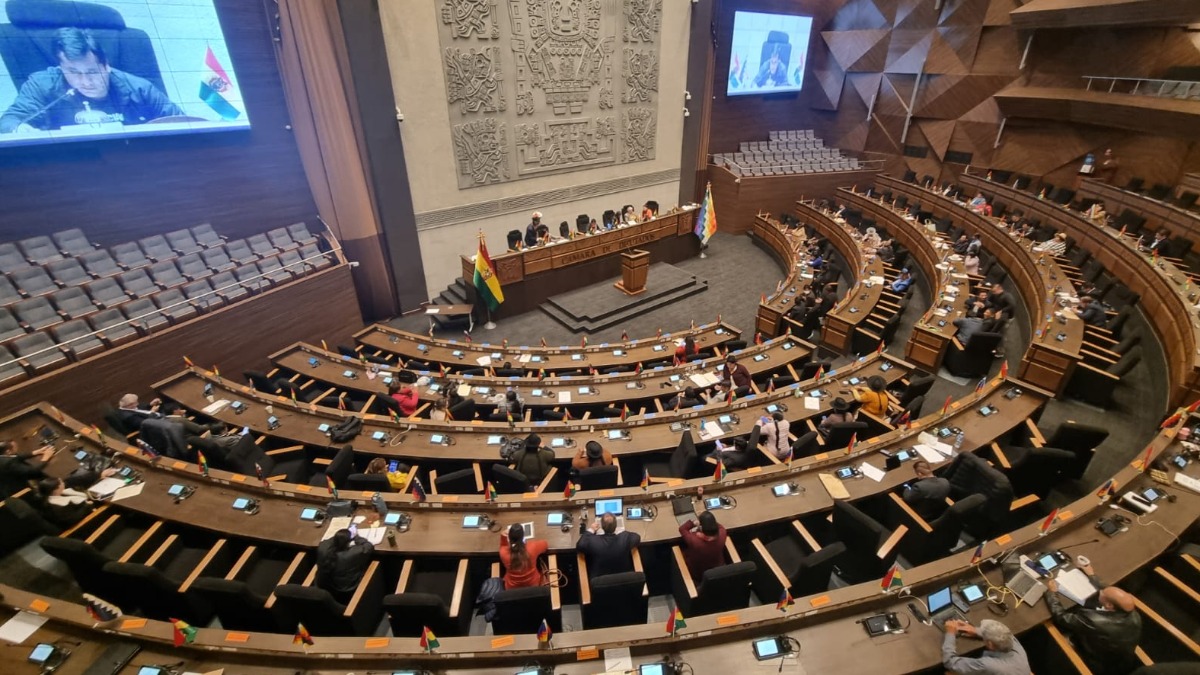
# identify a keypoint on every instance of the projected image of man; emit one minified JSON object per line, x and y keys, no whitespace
{"x":773,"y":71}
{"x":83,"y":89}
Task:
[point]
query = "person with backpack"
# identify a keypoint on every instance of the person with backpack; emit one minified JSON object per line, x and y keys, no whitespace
{"x":533,"y":460}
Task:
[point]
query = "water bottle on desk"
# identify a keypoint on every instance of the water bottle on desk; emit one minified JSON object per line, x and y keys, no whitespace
{"x":958,"y":442}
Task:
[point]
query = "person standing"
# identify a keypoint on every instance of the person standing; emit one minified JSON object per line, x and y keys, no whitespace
{"x":342,"y":561}
{"x":1105,"y":631}
{"x":531,"y":230}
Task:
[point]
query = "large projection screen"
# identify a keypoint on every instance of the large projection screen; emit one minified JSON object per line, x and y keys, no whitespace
{"x":769,"y":53}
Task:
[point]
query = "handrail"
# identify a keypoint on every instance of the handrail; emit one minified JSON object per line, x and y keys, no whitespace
{"x":1191,"y":88}
{"x":134,"y":321}
{"x":863,"y":165}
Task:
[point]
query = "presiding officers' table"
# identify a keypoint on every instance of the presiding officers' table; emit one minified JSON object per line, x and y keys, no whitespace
{"x":531,"y":276}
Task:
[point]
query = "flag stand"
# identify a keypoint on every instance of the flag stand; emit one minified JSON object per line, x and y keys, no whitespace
{"x":490,"y":325}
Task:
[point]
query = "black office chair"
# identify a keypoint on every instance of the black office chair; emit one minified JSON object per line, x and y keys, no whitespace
{"x":598,"y":477}
{"x":975,"y":358}
{"x":682,"y":463}
{"x":149,"y":592}
{"x":520,"y":611}
{"x":246,"y":457}
{"x":321,"y":614}
{"x":506,"y":480}
{"x":1095,"y":385}
{"x":840,"y":434}
{"x":461,"y":482}
{"x":435,"y":594}
{"x":368,"y":482}
{"x":810,"y":369}
{"x":237,"y":605}
{"x":804,"y":572}
{"x":918,"y":385}
{"x":339,"y":468}
{"x":866,"y":555}
{"x":464,"y":410}
{"x":919,"y":547}
{"x":1080,"y":439}
{"x":805,"y":445}
{"x":721,"y":589}
{"x":20,"y":524}
{"x":616,"y":600}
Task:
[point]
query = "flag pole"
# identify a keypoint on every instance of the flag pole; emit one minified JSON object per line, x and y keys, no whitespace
{"x":490,"y":325}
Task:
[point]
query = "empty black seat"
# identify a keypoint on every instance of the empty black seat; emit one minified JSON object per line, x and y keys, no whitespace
{"x":239,"y":252}
{"x":156,"y":248}
{"x":218,"y":260}
{"x":206,"y":236}
{"x":9,"y":326}
{"x":281,"y":240}
{"x":200,"y":294}
{"x":106,"y":292}
{"x":137,"y":283}
{"x":39,"y":351}
{"x":174,"y":306}
{"x":112,"y":327}
{"x":237,"y":605}
{"x":68,"y":272}
{"x":33,"y":281}
{"x":143,"y":314}
{"x":193,"y":267}
{"x":166,"y":275}
{"x":129,"y":255}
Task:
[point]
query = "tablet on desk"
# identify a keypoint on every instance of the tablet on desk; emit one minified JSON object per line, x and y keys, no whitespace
{"x":241,"y":503}
{"x":437,"y":439}
{"x":175,"y":490}
{"x":616,"y":434}
{"x":391,"y":519}
{"x":470,"y":522}
{"x":585,"y":390}
{"x":558,"y":442}
{"x":495,"y":439}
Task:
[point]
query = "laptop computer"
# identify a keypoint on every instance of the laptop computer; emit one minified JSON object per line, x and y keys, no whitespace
{"x":941,"y":607}
{"x":1025,"y":584}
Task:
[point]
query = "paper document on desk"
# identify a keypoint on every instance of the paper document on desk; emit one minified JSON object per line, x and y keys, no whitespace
{"x":940,"y":312}
{"x":960,"y":275}
{"x":812,"y":403}
{"x":564,"y":396}
{"x":618,"y":660}
{"x":871,"y":472}
{"x":944,"y":448}
{"x":1075,"y":585}
{"x":877,"y":280}
{"x":373,"y":535}
{"x":18,"y":629}
{"x":951,"y":290}
{"x":928,"y":454}
{"x":524,"y":358}
{"x":710,"y":430}
{"x":431,"y":310}
{"x":128,"y":491}
{"x":336,"y":524}
{"x":834,"y":486}
{"x":484,"y":361}
{"x":1187,"y":481}
{"x":105,"y":488}
{"x":215,"y":407}
{"x":464,"y":390}
{"x":704,"y":379}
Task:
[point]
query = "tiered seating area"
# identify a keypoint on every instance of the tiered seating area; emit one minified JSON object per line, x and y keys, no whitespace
{"x":788,"y":152}
{"x":64,"y":298}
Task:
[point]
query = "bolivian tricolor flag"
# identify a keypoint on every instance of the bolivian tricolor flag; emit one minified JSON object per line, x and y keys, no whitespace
{"x":215,"y":85}
{"x":429,"y":641}
{"x":486,"y":283}
{"x":675,"y":622}
{"x":182,"y":633}
{"x":706,"y":220}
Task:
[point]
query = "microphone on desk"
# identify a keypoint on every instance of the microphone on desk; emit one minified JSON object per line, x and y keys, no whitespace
{"x":67,"y":94}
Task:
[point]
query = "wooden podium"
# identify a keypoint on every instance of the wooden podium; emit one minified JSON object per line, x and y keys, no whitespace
{"x":634,"y":266}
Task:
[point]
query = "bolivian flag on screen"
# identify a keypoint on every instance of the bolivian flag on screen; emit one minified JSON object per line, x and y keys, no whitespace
{"x":215,"y":85}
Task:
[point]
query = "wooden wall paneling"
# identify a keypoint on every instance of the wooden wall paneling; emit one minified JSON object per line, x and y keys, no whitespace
{"x":235,"y":338}
{"x":998,"y":52}
{"x":243,"y":182}
{"x":1089,"y":13}
{"x":739,"y":200}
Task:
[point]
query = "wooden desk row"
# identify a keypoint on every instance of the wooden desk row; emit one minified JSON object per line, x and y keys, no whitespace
{"x":824,"y":624}
{"x":480,"y":441}
{"x":1158,"y":214}
{"x":330,"y":372}
{"x":1048,"y":361}
{"x":456,"y":354}
{"x":530,"y":276}
{"x":1166,"y":298}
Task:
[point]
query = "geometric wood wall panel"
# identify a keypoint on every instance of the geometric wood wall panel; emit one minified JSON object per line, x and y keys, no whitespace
{"x":884,"y":134}
{"x":998,"y":51}
{"x":915,"y":15}
{"x":997,"y":12}
{"x":863,"y":15}
{"x":858,"y":50}
{"x":894,"y":94}
{"x":907,"y":50}
{"x":976,"y":138}
{"x":866,"y":85}
{"x":830,"y":80}
{"x":953,"y":50}
{"x":968,"y":13}
{"x":951,"y":96}
{"x":937,"y":133}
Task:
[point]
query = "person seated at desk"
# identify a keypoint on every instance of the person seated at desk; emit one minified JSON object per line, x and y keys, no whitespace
{"x":595,"y":227}
{"x":841,"y":414}
{"x":1091,"y":311}
{"x":514,"y":241}
{"x":902,"y":281}
{"x":405,"y":396}
{"x":801,"y":307}
{"x":649,"y":210}
{"x":531,"y":230}
{"x":734,"y":372}
{"x":829,"y":274}
{"x":927,"y":494}
{"x":703,"y":544}
{"x":774,"y":434}
{"x":17,"y":470}
{"x":191,"y":430}
{"x":509,"y":402}
{"x":1161,"y":244}
{"x":970,"y":325}
{"x":689,"y":397}
{"x":131,"y":413}
{"x":533,"y":460}
{"x":590,"y":455}
{"x":977,"y":304}
{"x":977,"y":203}
{"x":971,"y":264}
{"x":825,"y":305}
{"x":342,"y":560}
{"x":1056,"y":245}
{"x":520,"y":558}
{"x":63,"y":506}
{"x":1024,"y":230}
{"x":960,"y":246}
{"x":397,"y":479}
{"x":688,"y":348}
{"x":871,"y":241}
{"x":974,"y":246}
{"x":628,"y":214}
{"x":440,"y":410}
{"x":1002,"y":654}
{"x":1105,"y":630}
{"x":1096,"y":213}
{"x":82,"y":89}
{"x":886,"y":251}
{"x":606,"y":550}
{"x":873,"y":397}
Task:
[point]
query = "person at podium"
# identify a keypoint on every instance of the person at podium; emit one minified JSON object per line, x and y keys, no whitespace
{"x":83,"y":89}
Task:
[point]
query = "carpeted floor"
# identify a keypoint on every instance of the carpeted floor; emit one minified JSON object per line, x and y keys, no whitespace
{"x":739,"y":271}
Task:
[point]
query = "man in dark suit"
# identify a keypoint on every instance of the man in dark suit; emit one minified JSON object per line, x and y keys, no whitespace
{"x":606,"y":550}
{"x":132,"y":414}
{"x":1091,"y":311}
{"x":17,"y":470}
{"x":1000,"y":302}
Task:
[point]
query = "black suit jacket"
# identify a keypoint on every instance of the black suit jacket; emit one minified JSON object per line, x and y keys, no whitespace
{"x":608,"y":553}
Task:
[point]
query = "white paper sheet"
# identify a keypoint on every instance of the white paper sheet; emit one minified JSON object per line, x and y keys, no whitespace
{"x":484,"y":361}
{"x":18,"y":629}
{"x":872,"y":472}
{"x":1075,"y":585}
{"x":431,"y":310}
{"x":618,"y":660}
{"x":944,"y":448}
{"x":215,"y":407}
{"x":524,"y":358}
{"x":336,"y":524}
{"x":128,"y":491}
{"x":564,"y":396}
{"x":927,"y":453}
{"x":811,"y":403}
{"x":464,"y":390}
{"x":373,"y":534}
{"x":710,"y":430}
{"x":704,"y":379}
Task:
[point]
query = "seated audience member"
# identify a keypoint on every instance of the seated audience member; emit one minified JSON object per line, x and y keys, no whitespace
{"x":61,"y":505}
{"x":509,"y":401}
{"x":703,"y":544}
{"x":514,"y":241}
{"x":17,"y":470}
{"x":927,"y":494}
{"x":841,"y":413}
{"x":191,"y":430}
{"x":649,"y":211}
{"x":520,"y":558}
{"x":595,"y":227}
{"x":960,"y":246}
{"x":902,"y":281}
{"x":977,"y":202}
{"x":1025,"y":230}
{"x":628,"y":214}
{"x":1160,"y":245}
{"x":971,"y":265}
{"x":533,"y":460}
{"x":440,"y":410}
{"x":826,"y":304}
{"x":1000,"y":302}
{"x":397,"y":479}
{"x":815,"y":260}
{"x":591,"y":454}
{"x":1056,"y":245}
{"x":405,"y":396}
{"x":886,"y":251}
{"x":531,"y":230}
{"x":341,"y":562}
{"x":543,"y":234}
{"x":977,"y":304}
{"x":131,"y":414}
{"x":871,"y":241}
{"x":1096,"y":213}
{"x":734,"y":456}
{"x":1105,"y":631}
{"x":688,"y":348}
{"x":1091,"y":312}
{"x":829,"y":274}
{"x":734,"y":372}
{"x":873,"y":397}
{"x":689,"y":397}
{"x":970,"y":325}
{"x":803,"y":304}
{"x":1002,"y":654}
{"x":606,"y":550}
{"x":974,"y":246}
{"x":774,"y":434}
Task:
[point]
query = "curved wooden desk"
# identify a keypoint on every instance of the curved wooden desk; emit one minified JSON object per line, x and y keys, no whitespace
{"x":1158,"y":214}
{"x":457,"y":355}
{"x":469,"y":441}
{"x":1164,"y":299}
{"x":784,"y":245}
{"x":825,"y":624}
{"x":1048,"y":361}
{"x":617,"y":388}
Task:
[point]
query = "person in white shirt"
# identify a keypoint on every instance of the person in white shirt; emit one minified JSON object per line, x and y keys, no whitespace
{"x":773,"y":434}
{"x":1055,"y":246}
{"x":63,"y":506}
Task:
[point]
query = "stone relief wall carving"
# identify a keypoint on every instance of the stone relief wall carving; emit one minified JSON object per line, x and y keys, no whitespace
{"x":467,"y":18}
{"x":579,"y":102}
{"x":473,"y":80}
